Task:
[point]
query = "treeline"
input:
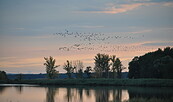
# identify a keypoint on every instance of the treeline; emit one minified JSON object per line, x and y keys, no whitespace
{"x":157,"y":64}
{"x":106,"y":66}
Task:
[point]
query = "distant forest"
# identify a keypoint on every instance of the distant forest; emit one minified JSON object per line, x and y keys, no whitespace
{"x":158,"y":64}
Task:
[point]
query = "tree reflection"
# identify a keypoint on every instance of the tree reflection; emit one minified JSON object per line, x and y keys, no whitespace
{"x":69,"y":94}
{"x":102,"y":95}
{"x":80,"y":90}
{"x":150,"y":92}
{"x":117,"y":95}
{"x":19,"y":89}
{"x":78,"y":94}
{"x":87,"y":92}
{"x":2,"y":89}
{"x":110,"y":95}
{"x":51,"y":92}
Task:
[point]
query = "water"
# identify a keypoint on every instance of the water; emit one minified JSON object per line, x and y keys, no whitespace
{"x":34,"y":93}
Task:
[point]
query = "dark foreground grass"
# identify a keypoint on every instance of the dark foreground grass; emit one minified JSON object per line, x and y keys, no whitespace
{"x":99,"y":82}
{"x":149,"y":100}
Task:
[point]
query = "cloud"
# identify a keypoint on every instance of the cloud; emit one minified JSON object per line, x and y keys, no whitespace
{"x":14,"y":62}
{"x":150,"y":1}
{"x":169,"y":4}
{"x":116,"y":8}
{"x":112,"y":8}
{"x":158,"y":44}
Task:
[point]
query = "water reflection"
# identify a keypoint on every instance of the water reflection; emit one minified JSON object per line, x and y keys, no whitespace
{"x":19,"y":89}
{"x":80,"y":94}
{"x":102,"y":95}
{"x":69,"y":94}
{"x":117,"y":95}
{"x":85,"y":94}
{"x":2,"y":89}
{"x":50,"y":95}
{"x":150,"y":92}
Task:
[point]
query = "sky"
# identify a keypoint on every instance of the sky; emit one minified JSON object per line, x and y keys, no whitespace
{"x":79,"y":29}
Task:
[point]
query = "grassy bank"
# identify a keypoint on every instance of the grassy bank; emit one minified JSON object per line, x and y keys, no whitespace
{"x":149,"y":100}
{"x":112,"y":82}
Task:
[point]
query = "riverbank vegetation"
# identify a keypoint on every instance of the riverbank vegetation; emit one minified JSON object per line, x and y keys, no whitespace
{"x":98,"y":82}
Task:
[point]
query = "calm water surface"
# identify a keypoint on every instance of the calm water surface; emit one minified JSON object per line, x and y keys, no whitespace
{"x":30,"y":93}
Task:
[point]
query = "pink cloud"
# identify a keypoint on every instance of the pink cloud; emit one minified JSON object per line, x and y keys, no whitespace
{"x":169,"y":4}
{"x":114,"y":9}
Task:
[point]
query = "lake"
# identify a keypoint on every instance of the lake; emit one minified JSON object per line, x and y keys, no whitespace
{"x":34,"y":93}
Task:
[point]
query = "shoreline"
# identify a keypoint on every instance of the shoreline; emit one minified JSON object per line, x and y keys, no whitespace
{"x":97,"y":82}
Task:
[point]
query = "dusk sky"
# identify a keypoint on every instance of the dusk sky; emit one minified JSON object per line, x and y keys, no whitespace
{"x":79,"y":29}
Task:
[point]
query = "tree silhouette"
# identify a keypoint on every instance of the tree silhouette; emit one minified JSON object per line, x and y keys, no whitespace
{"x":113,"y":65}
{"x":3,"y":75}
{"x":157,"y":64}
{"x":134,"y":68}
{"x":78,"y":66}
{"x":50,"y":67}
{"x":88,"y":71}
{"x":118,"y":67}
{"x":102,"y":64}
{"x":69,"y":68}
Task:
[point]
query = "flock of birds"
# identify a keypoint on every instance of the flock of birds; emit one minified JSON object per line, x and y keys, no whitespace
{"x":90,"y":36}
{"x":97,"y":42}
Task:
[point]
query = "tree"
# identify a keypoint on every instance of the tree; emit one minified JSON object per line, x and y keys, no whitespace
{"x":113,"y":65}
{"x":98,"y":72}
{"x":78,"y":66}
{"x":69,"y":68}
{"x":50,"y":67}
{"x":88,"y":71}
{"x":80,"y":73}
{"x":117,"y":66}
{"x":102,"y":64}
{"x":163,"y":67}
{"x":134,"y":68}
{"x":3,"y":75}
